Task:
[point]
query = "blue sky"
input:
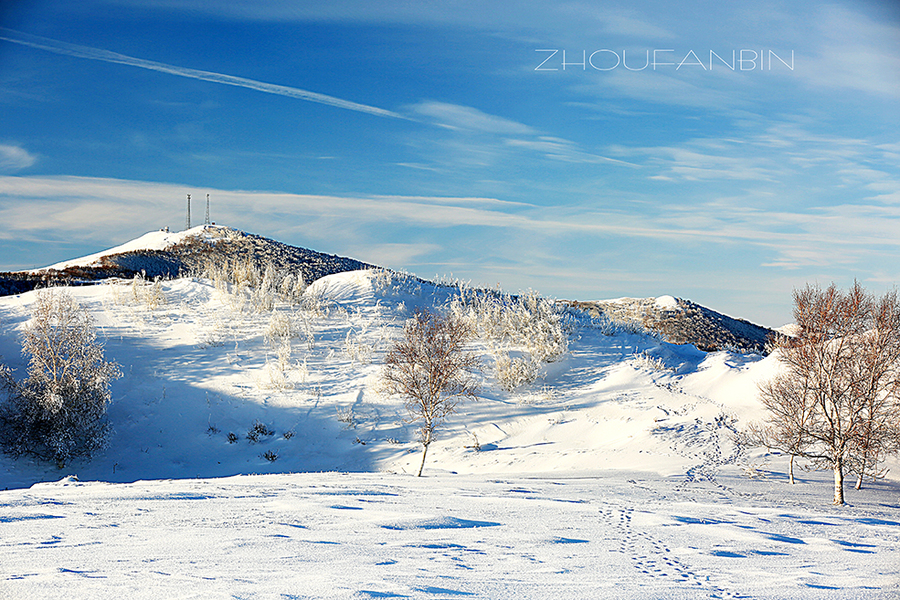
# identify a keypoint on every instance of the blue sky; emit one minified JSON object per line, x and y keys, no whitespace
{"x":432,"y":137}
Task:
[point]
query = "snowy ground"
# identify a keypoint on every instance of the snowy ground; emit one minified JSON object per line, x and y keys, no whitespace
{"x":615,"y":535}
{"x":614,"y":475}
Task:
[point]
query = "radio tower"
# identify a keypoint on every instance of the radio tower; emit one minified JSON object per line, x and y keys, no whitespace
{"x":187,"y":222}
{"x":207,"y":210}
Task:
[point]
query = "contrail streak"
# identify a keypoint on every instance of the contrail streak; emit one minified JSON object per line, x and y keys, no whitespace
{"x":75,"y":50}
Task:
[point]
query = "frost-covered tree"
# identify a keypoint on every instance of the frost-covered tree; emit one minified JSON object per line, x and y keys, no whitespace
{"x":431,"y":369}
{"x":837,"y":402}
{"x":59,"y":411}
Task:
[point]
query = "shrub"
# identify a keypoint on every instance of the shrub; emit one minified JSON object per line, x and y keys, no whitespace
{"x":277,"y":372}
{"x":513,"y":373}
{"x":536,"y":325}
{"x":257,"y":430}
{"x":59,"y":411}
{"x":280,"y":328}
{"x":346,"y":416}
{"x":148,"y":293}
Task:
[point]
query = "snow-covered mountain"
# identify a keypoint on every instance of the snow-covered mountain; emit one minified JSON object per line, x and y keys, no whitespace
{"x":613,"y":473}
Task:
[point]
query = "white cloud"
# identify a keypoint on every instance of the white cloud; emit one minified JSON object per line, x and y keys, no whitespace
{"x":564,"y":150}
{"x":15,"y":158}
{"x":60,"y":207}
{"x":455,"y":116}
{"x":854,"y":52}
{"x":476,"y":139}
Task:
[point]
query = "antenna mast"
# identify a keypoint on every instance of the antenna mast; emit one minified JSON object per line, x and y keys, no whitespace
{"x":207,"y":210}
{"x":188,"y":219}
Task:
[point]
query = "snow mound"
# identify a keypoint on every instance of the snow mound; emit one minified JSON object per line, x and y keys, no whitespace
{"x":667,"y":303}
{"x":153,"y":240}
{"x":349,"y":287}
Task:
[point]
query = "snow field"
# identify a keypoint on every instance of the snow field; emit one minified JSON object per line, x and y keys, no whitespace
{"x":331,"y":535}
{"x":614,"y":474}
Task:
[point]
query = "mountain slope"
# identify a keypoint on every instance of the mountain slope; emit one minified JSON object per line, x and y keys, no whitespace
{"x":201,"y":365}
{"x":684,"y":322}
{"x":167,"y":255}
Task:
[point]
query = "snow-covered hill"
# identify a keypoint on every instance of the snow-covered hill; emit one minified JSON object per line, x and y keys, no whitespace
{"x":613,"y":474}
{"x":202,"y":366}
{"x":168,"y":254}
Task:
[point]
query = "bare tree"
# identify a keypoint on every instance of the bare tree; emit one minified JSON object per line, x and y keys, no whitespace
{"x":836,"y":403}
{"x":58,"y":412}
{"x":790,"y":407}
{"x":431,"y":369}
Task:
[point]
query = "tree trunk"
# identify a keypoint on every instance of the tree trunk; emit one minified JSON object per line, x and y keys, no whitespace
{"x":791,"y":469}
{"x":862,"y":471}
{"x":838,"y":482}
{"x":424,"y":452}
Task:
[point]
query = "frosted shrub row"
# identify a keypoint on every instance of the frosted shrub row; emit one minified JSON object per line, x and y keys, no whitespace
{"x":533,"y":325}
{"x":140,"y":291}
{"x":248,"y":283}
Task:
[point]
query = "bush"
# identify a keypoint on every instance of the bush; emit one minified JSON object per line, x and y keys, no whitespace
{"x":257,"y":430}
{"x":280,"y":328}
{"x":59,"y":411}
{"x":538,"y":326}
{"x":513,"y":373}
{"x":249,"y":281}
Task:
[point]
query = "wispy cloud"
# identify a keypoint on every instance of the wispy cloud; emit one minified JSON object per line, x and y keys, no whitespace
{"x":563,"y":150}
{"x":785,"y":154}
{"x":56,"y":207}
{"x":87,"y":52}
{"x":15,"y":158}
{"x":466,"y":118}
{"x":479,"y":139}
{"x":855,"y":53}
